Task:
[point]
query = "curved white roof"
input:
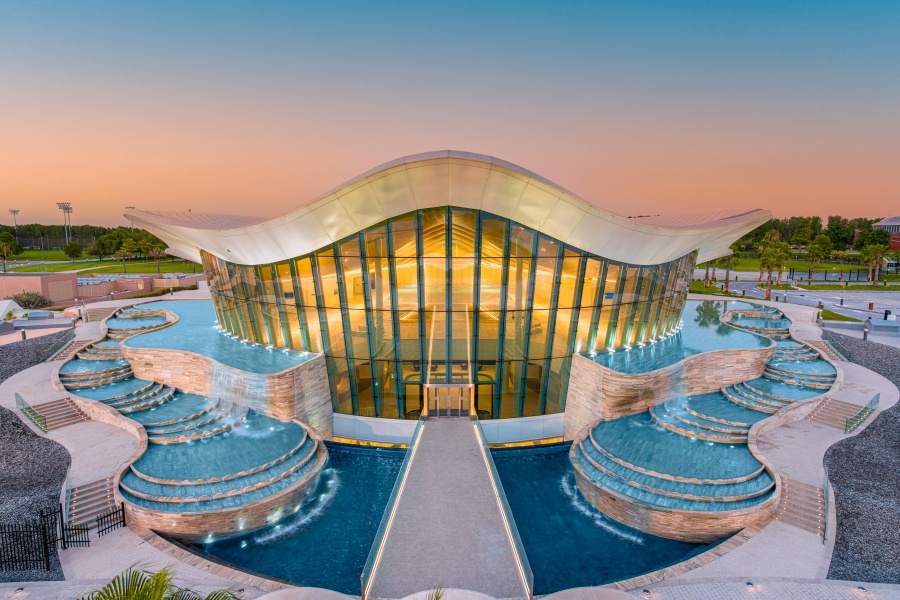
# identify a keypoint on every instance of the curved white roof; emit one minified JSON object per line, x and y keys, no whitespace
{"x":448,"y":178}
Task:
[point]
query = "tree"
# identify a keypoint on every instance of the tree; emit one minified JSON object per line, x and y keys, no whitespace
{"x":839,"y":232}
{"x":879,"y":251}
{"x":706,"y":277}
{"x":126,"y":251}
{"x":867,"y":255}
{"x":72,"y":250}
{"x":155,"y":250}
{"x":107,"y":244}
{"x":94,"y":249}
{"x":773,"y":258}
{"x":772,"y":237}
{"x":31,"y":300}
{"x":803,"y":234}
{"x":8,"y":247}
{"x":840,"y":255}
{"x":818,"y":250}
{"x":731,"y":260}
{"x":871,"y":237}
{"x":137,"y":583}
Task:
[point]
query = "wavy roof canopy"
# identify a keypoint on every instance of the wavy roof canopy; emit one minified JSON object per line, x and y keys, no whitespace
{"x":448,"y":178}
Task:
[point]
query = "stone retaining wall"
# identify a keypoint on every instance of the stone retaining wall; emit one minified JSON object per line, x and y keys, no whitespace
{"x":597,"y":393}
{"x":301,"y":392}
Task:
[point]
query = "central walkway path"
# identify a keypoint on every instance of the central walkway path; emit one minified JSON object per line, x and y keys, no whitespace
{"x":448,"y":528}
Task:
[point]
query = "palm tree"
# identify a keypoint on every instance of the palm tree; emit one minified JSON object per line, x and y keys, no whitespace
{"x":706,"y":277}
{"x":731,"y":260}
{"x":156,"y":252}
{"x":127,"y":250}
{"x":867,"y":255}
{"x":879,"y":251}
{"x":774,"y":258}
{"x":840,"y":255}
{"x":139,"y":584}
{"x":764,"y":244}
{"x":817,"y":251}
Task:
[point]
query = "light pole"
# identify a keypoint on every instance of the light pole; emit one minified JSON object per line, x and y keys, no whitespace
{"x":66,"y":207}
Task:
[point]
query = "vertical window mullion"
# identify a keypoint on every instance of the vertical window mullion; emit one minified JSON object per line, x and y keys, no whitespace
{"x":370,"y":325}
{"x":395,"y":320}
{"x":348,"y":333}
{"x":501,"y":325}
{"x":526,"y":341}
{"x":551,"y":330}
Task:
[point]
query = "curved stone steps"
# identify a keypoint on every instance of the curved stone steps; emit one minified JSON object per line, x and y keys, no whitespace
{"x":669,"y":422}
{"x":172,"y":494}
{"x":669,"y":476}
{"x":229,"y":477}
{"x":748,"y":403}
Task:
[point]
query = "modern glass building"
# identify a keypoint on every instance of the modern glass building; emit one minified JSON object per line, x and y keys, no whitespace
{"x":448,"y":269}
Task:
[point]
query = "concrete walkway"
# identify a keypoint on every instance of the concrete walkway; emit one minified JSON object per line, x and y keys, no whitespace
{"x":448,"y":528}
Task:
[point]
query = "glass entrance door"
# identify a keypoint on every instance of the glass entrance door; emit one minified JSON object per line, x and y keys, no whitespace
{"x":448,"y":400}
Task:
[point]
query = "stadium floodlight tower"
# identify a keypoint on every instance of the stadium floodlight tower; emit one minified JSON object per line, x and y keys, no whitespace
{"x":14,"y":212}
{"x":66,"y":207}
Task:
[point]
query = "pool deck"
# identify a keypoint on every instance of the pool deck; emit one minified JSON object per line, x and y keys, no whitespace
{"x":448,"y":528}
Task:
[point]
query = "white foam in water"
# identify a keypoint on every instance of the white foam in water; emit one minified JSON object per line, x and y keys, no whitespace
{"x":568,"y":487}
{"x":308,"y":513}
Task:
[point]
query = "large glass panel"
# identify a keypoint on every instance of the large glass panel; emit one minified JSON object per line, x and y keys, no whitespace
{"x":434,"y":232}
{"x":463,"y":241}
{"x":451,"y":295}
{"x":403,"y":230}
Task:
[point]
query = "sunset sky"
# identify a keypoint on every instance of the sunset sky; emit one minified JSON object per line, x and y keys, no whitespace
{"x":640,"y":107}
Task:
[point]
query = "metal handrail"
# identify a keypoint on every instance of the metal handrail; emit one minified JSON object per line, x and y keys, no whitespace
{"x":825,"y":494}
{"x":59,"y":345}
{"x":857,"y":419}
{"x":36,"y":417}
{"x":368,"y":572}
{"x":525,"y":572}
{"x":836,"y":345}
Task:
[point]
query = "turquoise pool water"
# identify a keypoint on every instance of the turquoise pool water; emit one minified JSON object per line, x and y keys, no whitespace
{"x":197,"y":331}
{"x":257,"y":441}
{"x":759,"y":322}
{"x":78,"y":365}
{"x":327,"y":542}
{"x":638,"y":440}
{"x":116,"y":323}
{"x":568,"y":542}
{"x":702,"y":332}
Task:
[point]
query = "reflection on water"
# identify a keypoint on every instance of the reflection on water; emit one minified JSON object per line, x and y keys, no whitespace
{"x":701,"y":331}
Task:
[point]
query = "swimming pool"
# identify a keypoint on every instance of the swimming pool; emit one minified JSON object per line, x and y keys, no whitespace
{"x":197,"y":331}
{"x":702,"y":332}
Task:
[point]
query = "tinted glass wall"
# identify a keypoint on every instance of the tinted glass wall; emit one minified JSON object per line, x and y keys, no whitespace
{"x":448,"y":296}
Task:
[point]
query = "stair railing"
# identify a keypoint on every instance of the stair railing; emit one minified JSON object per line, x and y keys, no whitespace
{"x":36,"y":417}
{"x":857,"y":419}
{"x":390,"y":510}
{"x":825,"y":493}
{"x":524,"y":567}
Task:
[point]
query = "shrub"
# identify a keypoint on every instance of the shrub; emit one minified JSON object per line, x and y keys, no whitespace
{"x":30,"y":300}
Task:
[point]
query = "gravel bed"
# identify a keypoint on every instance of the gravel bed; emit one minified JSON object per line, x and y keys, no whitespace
{"x":19,"y":356}
{"x":32,"y":468}
{"x":865,"y":473}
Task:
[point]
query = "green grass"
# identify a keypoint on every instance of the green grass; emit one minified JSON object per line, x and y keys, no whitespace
{"x":178,"y":266}
{"x":850,"y":288}
{"x":783,"y":286}
{"x":66,"y":266}
{"x":830,"y":315}
{"x":47,"y":255}
{"x":697,"y":287}
{"x":111,"y":266}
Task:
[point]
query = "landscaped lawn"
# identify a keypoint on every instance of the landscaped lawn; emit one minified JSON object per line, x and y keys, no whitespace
{"x":165,"y":266}
{"x":829,"y":315}
{"x":42,"y":255}
{"x":850,"y":288}
{"x":63,"y":266}
{"x":697,"y":287}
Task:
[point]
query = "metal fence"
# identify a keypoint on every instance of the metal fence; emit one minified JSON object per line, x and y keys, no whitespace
{"x":111,"y":519}
{"x":30,"y":546}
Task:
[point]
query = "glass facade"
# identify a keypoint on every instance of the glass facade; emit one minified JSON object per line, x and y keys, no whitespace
{"x":448,"y":295}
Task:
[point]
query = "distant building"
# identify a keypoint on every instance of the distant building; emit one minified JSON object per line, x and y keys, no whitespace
{"x":892,"y":226}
